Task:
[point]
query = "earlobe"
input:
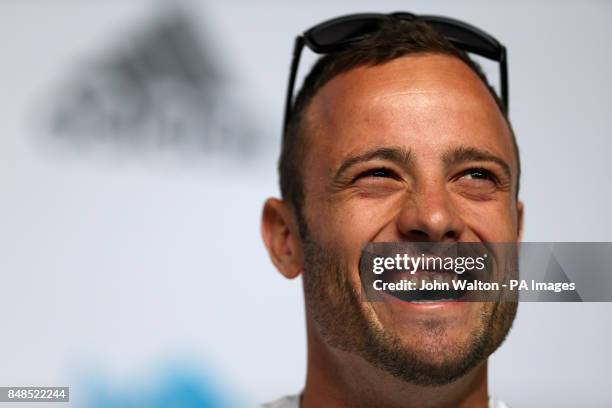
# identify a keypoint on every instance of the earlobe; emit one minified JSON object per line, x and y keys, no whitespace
{"x":280,"y":235}
{"x":520,"y":208}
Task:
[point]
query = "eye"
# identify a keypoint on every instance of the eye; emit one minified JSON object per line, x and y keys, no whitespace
{"x":479,"y":174}
{"x":380,"y":172}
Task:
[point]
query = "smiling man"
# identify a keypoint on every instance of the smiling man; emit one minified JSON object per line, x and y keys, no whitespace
{"x":394,"y":137}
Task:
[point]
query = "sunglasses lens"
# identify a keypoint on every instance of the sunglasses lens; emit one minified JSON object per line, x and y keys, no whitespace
{"x":329,"y":36}
{"x":467,"y":38}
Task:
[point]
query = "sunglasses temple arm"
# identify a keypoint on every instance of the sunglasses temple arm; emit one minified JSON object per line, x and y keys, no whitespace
{"x":503,"y":75}
{"x":295,"y":62}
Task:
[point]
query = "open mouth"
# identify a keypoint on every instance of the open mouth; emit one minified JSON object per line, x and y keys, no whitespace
{"x":426,"y":286}
{"x":425,"y":272}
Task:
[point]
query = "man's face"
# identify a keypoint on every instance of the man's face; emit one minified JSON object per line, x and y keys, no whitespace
{"x":411,"y":150}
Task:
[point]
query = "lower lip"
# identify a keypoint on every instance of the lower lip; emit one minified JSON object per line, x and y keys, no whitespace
{"x":424,"y":306}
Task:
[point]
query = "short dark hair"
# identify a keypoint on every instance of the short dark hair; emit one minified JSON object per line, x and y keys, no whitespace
{"x":395,"y":38}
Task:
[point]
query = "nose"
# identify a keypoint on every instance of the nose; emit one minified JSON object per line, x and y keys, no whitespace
{"x":430,"y":216}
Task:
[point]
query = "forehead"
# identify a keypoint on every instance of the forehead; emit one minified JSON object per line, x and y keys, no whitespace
{"x":420,"y":101}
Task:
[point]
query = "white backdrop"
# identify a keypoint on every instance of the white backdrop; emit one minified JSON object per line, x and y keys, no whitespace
{"x":117,"y":266}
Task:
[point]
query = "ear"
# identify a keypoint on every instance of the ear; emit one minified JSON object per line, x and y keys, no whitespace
{"x":520,"y":210}
{"x":281,"y":236}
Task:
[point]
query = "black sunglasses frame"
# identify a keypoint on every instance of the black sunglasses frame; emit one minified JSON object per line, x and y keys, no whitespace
{"x":462,"y":35}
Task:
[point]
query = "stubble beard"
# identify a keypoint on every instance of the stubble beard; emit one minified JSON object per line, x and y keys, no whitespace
{"x":345,"y":322}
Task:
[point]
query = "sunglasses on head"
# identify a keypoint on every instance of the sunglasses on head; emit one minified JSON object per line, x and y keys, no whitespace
{"x":335,"y":34}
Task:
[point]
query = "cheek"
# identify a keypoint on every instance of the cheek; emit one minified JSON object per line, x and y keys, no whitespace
{"x":347,"y":224}
{"x":491,"y":221}
{"x":358,"y":220}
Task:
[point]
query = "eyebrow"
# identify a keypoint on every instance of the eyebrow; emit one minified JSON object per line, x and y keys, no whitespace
{"x":468,"y":154}
{"x":398,"y":155}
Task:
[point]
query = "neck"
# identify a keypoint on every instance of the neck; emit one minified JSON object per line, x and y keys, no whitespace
{"x":340,"y":379}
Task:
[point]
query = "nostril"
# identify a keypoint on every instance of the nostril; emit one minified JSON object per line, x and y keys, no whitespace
{"x":423,"y":236}
{"x":418,"y":235}
{"x":450,"y":234}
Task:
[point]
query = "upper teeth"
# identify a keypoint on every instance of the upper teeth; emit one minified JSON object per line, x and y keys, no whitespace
{"x":430,"y":277}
